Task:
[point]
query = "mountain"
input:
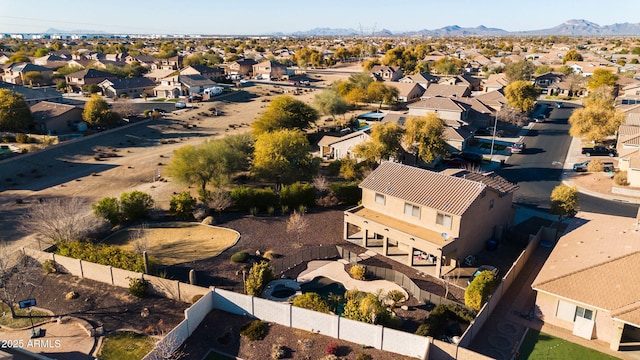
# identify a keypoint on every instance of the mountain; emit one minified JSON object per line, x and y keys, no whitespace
{"x":579,"y":27}
{"x":327,"y":32}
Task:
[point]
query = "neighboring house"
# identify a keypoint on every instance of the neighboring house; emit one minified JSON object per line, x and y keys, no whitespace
{"x":89,"y":76}
{"x":269,"y":70}
{"x":340,"y":147}
{"x":429,"y":220}
{"x":144,"y":60}
{"x":589,"y":283}
{"x":422,"y":79}
{"x":242,"y":67}
{"x":457,"y":137}
{"x":131,"y":87}
{"x":51,"y":61}
{"x":407,"y":92}
{"x":169,"y":88}
{"x":631,"y":164}
{"x":473,"y":83}
{"x":81,"y":63}
{"x":446,"y":108}
{"x":34,"y":95}
{"x":4,"y":58}
{"x":14,"y":73}
{"x":494,"y":82}
{"x":628,"y":139}
{"x":586,"y":68}
{"x":195,"y":84}
{"x":386,"y":73}
{"x":55,"y":118}
{"x":548,"y":83}
{"x":172,"y":63}
{"x":205,"y":71}
{"x":158,"y":74}
{"x":446,"y":90}
{"x":494,"y":99}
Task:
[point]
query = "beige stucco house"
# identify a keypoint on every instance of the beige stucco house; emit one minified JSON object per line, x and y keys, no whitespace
{"x":340,"y":147}
{"x":589,"y":283}
{"x":429,"y":220}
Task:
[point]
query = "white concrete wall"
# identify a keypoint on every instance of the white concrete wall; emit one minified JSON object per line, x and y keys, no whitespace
{"x":232,"y":302}
{"x":198,"y":311}
{"x":361,"y":333}
{"x":401,"y":342}
{"x":316,"y":322}
{"x":272,"y":311}
{"x":97,"y":272}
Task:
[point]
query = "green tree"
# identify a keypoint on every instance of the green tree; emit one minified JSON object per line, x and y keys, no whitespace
{"x":182,"y":204}
{"x":478,"y":292}
{"x":15,"y":115}
{"x":33,"y":78}
{"x":135,"y":205}
{"x":285,"y":112}
{"x":601,"y":77}
{"x":448,"y":66}
{"x":96,"y":112}
{"x":283,"y":156}
{"x":330,"y":103}
{"x":312,"y":301}
{"x":108,"y":208}
{"x":380,"y":92}
{"x":519,"y":71}
{"x":521,"y":95}
{"x":259,"y":276}
{"x":41,"y":52}
{"x":91,"y":88}
{"x":18,"y":57}
{"x":365,"y":307}
{"x":425,"y":137}
{"x":571,"y":55}
{"x":543,"y":69}
{"x":597,"y":119}
{"x":194,"y":59}
{"x":210,"y":163}
{"x":564,"y":203}
{"x":385,"y":142}
{"x":67,"y":69}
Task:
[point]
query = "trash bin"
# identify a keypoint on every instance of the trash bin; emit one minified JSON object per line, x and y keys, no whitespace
{"x":502,"y":163}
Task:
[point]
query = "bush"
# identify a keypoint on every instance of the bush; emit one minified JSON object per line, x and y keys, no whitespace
{"x":22,"y":138}
{"x":363,"y":356}
{"x":246,"y":198}
{"x":138,"y":287}
{"x":182,"y":204}
{"x":296,"y":195}
{"x":436,"y":324}
{"x":395,"y":296}
{"x":135,"y":205}
{"x":358,"y":272}
{"x":620,"y":178}
{"x":259,"y":276}
{"x":595,"y":165}
{"x":254,"y":330}
{"x":270,"y":254}
{"x":101,"y":254}
{"x":334,"y":168}
{"x":347,"y":193}
{"x":478,"y":292}
{"x":331,"y":348}
{"x":49,"y":266}
{"x":277,"y":351}
{"x":240,"y":257}
{"x":312,"y":301}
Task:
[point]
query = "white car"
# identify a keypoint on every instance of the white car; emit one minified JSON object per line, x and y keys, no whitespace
{"x":181,"y":105}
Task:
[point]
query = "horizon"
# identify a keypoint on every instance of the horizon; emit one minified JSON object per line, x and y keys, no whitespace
{"x":290,"y":17}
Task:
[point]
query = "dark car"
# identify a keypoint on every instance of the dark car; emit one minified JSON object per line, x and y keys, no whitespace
{"x":492,"y":269}
{"x":455,"y":162}
{"x":559,"y":105}
{"x":482,"y":132}
{"x":470,"y":157}
{"x":599,"y":151}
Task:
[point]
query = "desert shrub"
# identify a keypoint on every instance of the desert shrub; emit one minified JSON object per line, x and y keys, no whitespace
{"x":182,"y":204}
{"x":358,"y":272}
{"x":298,"y":194}
{"x":312,"y":301}
{"x":138,"y":287}
{"x":334,"y":168}
{"x":270,"y":254}
{"x":71,"y":295}
{"x":101,"y":254}
{"x":240,"y":257}
{"x":195,"y":298}
{"x":8,"y":139}
{"x":365,"y":307}
{"x":49,"y":266}
{"x":284,"y":209}
{"x":436,"y":324}
{"x":22,"y":138}
{"x":347,"y":193}
{"x":478,"y":292}
{"x":253,"y":211}
{"x":107,"y":208}
{"x":363,"y":356}
{"x":271,"y":210}
{"x":395,"y":296}
{"x":135,"y":205}
{"x":259,"y":276}
{"x":254,"y":330}
{"x":329,"y":200}
{"x":331,"y":348}
{"x":595,"y":165}
{"x":277,"y":351}
{"x":620,"y":178}
{"x":246,"y":198}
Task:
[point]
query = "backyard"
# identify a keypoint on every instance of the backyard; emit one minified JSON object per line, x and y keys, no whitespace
{"x":538,"y":345}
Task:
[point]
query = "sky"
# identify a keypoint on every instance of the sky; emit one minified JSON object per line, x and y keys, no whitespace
{"x":253,"y":17}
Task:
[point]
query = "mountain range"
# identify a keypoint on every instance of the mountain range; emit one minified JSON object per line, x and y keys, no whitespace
{"x":576,"y":27}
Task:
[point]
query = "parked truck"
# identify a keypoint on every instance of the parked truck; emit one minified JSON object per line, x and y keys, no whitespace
{"x":599,"y":151}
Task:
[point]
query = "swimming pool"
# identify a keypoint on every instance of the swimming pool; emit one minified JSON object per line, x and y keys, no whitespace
{"x":323,"y":286}
{"x":285,"y":289}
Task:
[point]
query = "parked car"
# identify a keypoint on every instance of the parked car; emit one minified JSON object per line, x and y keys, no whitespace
{"x":181,"y":105}
{"x":539,"y":118}
{"x":559,"y":105}
{"x":470,"y":157}
{"x":482,"y":132}
{"x":581,"y":167}
{"x":517,"y":148}
{"x":455,"y":162}
{"x":494,"y":270}
{"x":599,"y":151}
{"x":499,"y":133}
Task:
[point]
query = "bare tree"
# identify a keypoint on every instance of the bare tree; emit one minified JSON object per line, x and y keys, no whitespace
{"x":61,"y":219}
{"x":124,"y":107}
{"x":321,"y":184}
{"x":17,"y":272}
{"x":168,"y":348}
{"x":512,"y":116}
{"x":138,"y":238}
{"x":219,"y":200}
{"x":297,"y":224}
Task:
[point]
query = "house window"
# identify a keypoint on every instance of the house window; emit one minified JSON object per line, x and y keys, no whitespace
{"x":584,"y":313}
{"x":412,"y":210}
{"x":491,"y":204}
{"x":380,"y":199}
{"x":444,"y":220}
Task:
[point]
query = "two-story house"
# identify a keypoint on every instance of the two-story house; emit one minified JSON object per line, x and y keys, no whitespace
{"x":429,"y":220}
{"x":129,"y":87}
{"x":269,"y":70}
{"x":89,"y":76}
{"x":205,"y":71}
{"x":386,"y":73}
{"x":242,"y":67}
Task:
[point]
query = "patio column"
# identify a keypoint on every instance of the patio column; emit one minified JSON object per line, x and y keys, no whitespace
{"x":616,"y":336}
{"x":410,"y":262}
{"x":438,"y":264}
{"x":345,"y":230}
{"x":385,"y":247}
{"x":365,"y":237}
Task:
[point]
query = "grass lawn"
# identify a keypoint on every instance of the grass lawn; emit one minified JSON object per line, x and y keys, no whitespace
{"x":157,"y":100}
{"x":538,"y":345}
{"x":126,"y":346}
{"x":496,"y":147}
{"x":23,"y":320}
{"x":177,"y":242}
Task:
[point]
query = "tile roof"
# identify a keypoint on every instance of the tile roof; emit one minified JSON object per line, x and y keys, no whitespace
{"x":439,"y":103}
{"x":131,"y":83}
{"x":446,"y":90}
{"x":46,"y":109}
{"x":91,"y":73}
{"x":423,"y":187}
{"x":491,"y":179}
